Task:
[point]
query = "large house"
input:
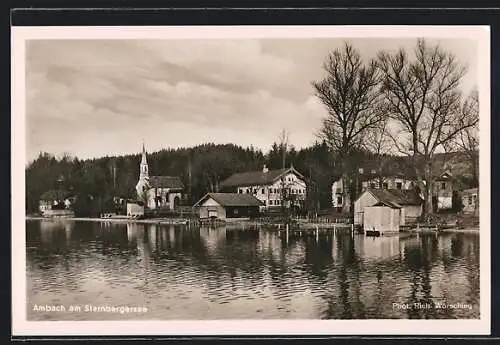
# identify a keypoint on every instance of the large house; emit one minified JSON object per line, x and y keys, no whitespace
{"x":271,"y":187}
{"x":158,"y":192}
{"x":54,"y":202}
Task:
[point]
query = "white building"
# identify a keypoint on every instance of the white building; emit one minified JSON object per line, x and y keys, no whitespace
{"x":157,"y":192}
{"x":470,"y":201}
{"x":387,"y":209}
{"x":269,"y":186}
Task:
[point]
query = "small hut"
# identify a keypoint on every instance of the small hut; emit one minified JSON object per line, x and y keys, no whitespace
{"x":385,"y":210}
{"x":228,"y":205}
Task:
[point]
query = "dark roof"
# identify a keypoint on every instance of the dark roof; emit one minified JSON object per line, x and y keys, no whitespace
{"x":470,"y":191}
{"x":172,"y":182}
{"x":396,"y":197}
{"x":53,"y":194}
{"x":251,"y":178}
{"x":232,"y":199}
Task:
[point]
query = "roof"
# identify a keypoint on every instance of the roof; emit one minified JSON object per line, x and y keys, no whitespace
{"x":144,"y":161}
{"x":53,"y":194}
{"x":232,"y":199}
{"x":470,"y":191}
{"x":172,"y":182}
{"x":396,"y":197}
{"x":259,"y":178}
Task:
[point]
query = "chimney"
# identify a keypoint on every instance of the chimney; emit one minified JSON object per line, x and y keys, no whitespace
{"x":265,"y":169}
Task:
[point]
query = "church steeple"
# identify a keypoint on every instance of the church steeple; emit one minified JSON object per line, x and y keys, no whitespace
{"x":143,"y":184}
{"x":144,"y":164}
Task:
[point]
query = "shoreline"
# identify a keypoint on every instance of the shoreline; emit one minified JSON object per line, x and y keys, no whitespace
{"x":116,"y":220}
{"x":278,"y":226}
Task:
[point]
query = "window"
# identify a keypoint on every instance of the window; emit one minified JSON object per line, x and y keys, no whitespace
{"x":385,"y":185}
{"x":263,"y":191}
{"x":372,"y":185}
{"x":255,"y":191}
{"x":248,"y":190}
{"x":399,"y":185}
{"x":270,"y":191}
{"x":443,"y":185}
{"x":339,"y":200}
{"x":240,"y":191}
{"x":470,"y":199}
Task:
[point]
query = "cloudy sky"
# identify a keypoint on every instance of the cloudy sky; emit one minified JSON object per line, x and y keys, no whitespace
{"x":93,"y":98}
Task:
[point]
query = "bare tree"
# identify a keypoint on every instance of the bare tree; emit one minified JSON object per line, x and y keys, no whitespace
{"x":468,"y":139}
{"x":283,"y":145}
{"x":379,"y":142}
{"x":284,"y":190}
{"x":350,"y":93}
{"x":423,"y":96}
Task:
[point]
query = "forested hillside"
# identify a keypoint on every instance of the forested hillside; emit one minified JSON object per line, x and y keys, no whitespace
{"x":207,"y":164}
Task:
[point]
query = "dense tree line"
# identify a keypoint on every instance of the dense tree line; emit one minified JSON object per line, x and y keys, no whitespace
{"x":201,"y":168}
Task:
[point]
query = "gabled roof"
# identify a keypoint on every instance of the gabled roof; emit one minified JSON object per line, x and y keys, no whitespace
{"x":53,"y":194}
{"x":396,"y":197}
{"x":231,"y":199}
{"x":470,"y":191}
{"x":259,"y":178}
{"x":172,"y":182}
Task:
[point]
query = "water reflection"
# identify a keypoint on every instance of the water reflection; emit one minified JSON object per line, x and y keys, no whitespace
{"x":184,"y":272}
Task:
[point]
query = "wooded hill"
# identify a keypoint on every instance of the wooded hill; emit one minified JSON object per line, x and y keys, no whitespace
{"x":201,"y":168}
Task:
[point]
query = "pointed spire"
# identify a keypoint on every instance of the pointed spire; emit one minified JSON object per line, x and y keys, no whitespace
{"x":143,"y":160}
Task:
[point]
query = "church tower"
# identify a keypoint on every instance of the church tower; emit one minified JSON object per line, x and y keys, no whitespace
{"x":143,"y":184}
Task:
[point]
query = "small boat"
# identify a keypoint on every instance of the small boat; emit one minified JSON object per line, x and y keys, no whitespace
{"x":372,"y":233}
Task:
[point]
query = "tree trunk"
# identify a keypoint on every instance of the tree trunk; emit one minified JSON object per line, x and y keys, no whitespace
{"x":428,"y":205}
{"x":346,"y":195}
{"x":474,"y":161}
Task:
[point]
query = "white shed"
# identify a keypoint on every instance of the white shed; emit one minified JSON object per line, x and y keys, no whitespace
{"x":386,"y":208}
{"x":382,"y":218}
{"x":135,"y":210}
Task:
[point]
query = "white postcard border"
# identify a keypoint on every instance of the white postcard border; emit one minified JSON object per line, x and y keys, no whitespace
{"x":22,"y":327}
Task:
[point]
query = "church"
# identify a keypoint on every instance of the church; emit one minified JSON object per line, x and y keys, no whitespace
{"x":158,"y":192}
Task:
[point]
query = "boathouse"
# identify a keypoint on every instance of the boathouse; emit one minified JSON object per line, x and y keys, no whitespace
{"x":387,"y":209}
{"x":228,"y":205}
{"x":135,"y":209}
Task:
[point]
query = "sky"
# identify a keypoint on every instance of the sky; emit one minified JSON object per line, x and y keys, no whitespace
{"x":92,"y":98}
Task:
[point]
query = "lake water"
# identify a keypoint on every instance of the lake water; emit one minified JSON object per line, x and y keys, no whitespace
{"x":177,"y":272}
